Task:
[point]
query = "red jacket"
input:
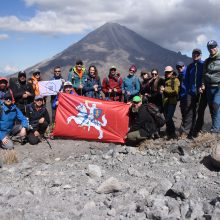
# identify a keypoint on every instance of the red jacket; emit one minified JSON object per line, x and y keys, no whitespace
{"x":111,"y":82}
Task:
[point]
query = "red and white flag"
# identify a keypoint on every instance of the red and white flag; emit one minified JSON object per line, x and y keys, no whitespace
{"x":80,"y":117}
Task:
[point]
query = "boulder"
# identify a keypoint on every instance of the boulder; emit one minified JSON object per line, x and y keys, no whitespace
{"x":215,"y":155}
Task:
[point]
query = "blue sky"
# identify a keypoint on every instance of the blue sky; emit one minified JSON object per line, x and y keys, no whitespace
{"x":34,"y":30}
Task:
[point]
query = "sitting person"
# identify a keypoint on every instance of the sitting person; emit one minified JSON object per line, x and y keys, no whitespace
{"x":9,"y":113}
{"x":38,"y":120}
{"x":141,"y":123}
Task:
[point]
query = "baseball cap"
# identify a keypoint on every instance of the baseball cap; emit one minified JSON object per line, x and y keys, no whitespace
{"x":67,"y":83}
{"x":168,"y":69}
{"x":136,"y":99}
{"x":180,"y":63}
{"x":113,"y":68}
{"x":37,"y":97}
{"x":212,"y":44}
{"x":7,"y":96}
{"x":197,"y":50}
{"x":35,"y":71}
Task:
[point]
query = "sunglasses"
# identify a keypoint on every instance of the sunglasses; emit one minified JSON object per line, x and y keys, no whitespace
{"x":8,"y":99}
{"x":37,"y":100}
{"x":135,"y":103}
{"x":167,"y":72}
{"x":22,"y":76}
{"x":154,"y":74}
{"x":36,"y":74}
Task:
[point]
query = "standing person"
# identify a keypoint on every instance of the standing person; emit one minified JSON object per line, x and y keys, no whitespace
{"x":181,"y":70}
{"x":196,"y":99}
{"x":211,"y":82}
{"x":170,"y":97}
{"x":35,"y":79}
{"x":38,"y":119}
{"x":130,"y":85}
{"x":67,"y":88}
{"x":9,"y":113}
{"x":141,"y":123}
{"x":92,"y":86}
{"x":111,"y":85}
{"x":23,"y":92}
{"x":56,"y":76}
{"x":77,"y":76}
{"x":156,"y":83}
{"x":145,"y":84}
{"x":4,"y":87}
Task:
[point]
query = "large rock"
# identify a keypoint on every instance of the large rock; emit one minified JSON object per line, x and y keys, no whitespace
{"x":215,"y":155}
{"x":112,"y":185}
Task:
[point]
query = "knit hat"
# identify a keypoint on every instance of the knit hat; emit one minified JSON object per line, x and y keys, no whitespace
{"x":133,"y":68}
{"x":21,"y":73}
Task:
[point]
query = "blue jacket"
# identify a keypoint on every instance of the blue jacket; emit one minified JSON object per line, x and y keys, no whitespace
{"x":131,"y":84}
{"x":193,"y":80}
{"x":88,"y":89}
{"x":8,"y":117}
{"x":183,"y":84}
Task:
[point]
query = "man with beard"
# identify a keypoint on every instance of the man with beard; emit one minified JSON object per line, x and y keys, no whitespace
{"x":9,"y":113}
{"x":23,"y":92}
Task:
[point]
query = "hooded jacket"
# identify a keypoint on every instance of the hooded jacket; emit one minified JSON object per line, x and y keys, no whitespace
{"x":77,"y":78}
{"x":8,"y":117}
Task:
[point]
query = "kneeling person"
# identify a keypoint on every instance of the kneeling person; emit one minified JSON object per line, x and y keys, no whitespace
{"x":9,"y":114}
{"x":38,"y":120}
{"x":141,"y":123}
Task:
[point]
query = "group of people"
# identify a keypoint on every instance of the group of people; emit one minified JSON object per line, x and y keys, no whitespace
{"x":23,"y":112}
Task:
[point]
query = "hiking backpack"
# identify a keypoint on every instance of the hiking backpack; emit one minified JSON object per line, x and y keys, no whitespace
{"x":156,"y":114}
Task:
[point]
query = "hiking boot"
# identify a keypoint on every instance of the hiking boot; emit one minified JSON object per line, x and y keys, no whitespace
{"x":24,"y":141}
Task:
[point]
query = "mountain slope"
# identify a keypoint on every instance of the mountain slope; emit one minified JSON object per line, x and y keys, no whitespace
{"x":113,"y":44}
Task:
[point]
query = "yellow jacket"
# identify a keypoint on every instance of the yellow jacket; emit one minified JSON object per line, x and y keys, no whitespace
{"x":171,"y":91}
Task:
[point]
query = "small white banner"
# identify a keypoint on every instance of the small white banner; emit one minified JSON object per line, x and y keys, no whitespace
{"x":51,"y":87}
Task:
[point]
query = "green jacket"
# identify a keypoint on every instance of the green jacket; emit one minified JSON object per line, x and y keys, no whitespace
{"x":75,"y":79}
{"x":171,"y":91}
{"x":211,"y":71}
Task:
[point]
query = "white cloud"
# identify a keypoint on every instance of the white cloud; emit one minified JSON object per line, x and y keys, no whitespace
{"x":8,"y":69}
{"x":175,"y":24}
{"x":4,"y":36}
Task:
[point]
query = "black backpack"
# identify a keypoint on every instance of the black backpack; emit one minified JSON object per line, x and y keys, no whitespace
{"x":156,"y":114}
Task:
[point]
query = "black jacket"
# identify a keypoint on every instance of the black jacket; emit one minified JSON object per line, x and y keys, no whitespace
{"x":34,"y":115}
{"x":142,"y":121}
{"x":18,"y":90}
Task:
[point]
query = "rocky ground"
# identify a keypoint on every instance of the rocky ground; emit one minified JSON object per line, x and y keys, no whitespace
{"x":88,"y":180}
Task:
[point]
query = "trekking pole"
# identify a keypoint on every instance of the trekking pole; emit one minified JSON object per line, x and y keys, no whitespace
{"x":48,"y":143}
